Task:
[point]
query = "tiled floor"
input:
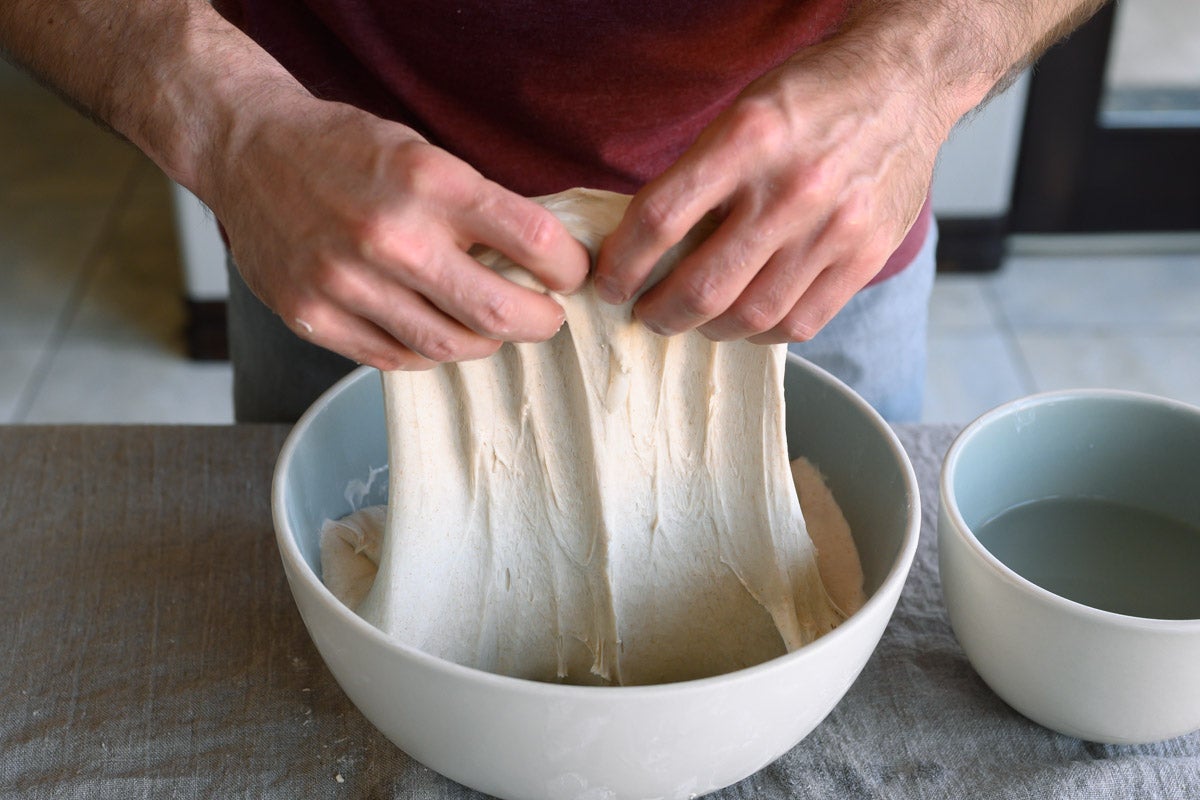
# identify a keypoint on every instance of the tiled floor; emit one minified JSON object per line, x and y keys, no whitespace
{"x":1054,"y":320}
{"x":91,"y":315}
{"x":90,"y":284}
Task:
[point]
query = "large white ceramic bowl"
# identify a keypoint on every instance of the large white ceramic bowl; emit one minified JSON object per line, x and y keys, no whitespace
{"x":1078,"y":668}
{"x":521,"y":739}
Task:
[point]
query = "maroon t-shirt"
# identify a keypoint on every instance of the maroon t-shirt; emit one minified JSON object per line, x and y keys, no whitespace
{"x":542,"y":97}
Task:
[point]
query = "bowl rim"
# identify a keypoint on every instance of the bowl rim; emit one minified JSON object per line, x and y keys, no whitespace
{"x":960,"y":528}
{"x":893,"y":580}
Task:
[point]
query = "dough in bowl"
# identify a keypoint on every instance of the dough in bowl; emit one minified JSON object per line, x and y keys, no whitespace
{"x":610,"y":506}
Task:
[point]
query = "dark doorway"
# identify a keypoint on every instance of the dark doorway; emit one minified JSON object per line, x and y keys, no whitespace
{"x":1101,"y":157}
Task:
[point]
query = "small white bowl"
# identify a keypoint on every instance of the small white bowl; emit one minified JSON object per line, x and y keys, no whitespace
{"x":1120,"y":674}
{"x":517,"y":738}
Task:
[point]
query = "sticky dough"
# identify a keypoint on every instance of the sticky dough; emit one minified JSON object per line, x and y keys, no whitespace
{"x":607,"y":506}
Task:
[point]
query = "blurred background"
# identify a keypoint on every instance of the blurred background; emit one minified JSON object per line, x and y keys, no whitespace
{"x":1070,"y":253}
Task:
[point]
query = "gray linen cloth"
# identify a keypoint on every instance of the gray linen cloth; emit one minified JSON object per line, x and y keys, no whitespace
{"x":150,"y":648}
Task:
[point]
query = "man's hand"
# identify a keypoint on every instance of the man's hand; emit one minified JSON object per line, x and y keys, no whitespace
{"x":819,"y":168}
{"x":355,"y":231}
{"x":817,"y":171}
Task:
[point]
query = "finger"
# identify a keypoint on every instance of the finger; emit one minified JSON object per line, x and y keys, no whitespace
{"x":849,"y":253}
{"x":480,"y":298}
{"x":707,"y":281}
{"x":769,"y":296}
{"x":356,"y":339}
{"x":658,"y":217}
{"x":842,"y":252}
{"x":529,"y":235}
{"x":821,"y":301}
{"x":412,"y":319}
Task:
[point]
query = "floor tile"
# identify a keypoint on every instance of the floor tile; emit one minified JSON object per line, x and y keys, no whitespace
{"x":120,"y":358}
{"x":970,"y":372}
{"x":42,"y":257}
{"x":108,"y":383}
{"x":1166,"y":364}
{"x":50,"y":152}
{"x":1116,"y":293}
{"x":960,"y":302}
{"x":136,"y":292}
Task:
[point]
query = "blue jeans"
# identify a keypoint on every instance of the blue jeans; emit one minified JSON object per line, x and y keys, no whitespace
{"x":876,"y":344}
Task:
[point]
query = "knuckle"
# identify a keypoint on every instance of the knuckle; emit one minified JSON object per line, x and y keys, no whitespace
{"x":534,"y":227}
{"x":662,"y":218}
{"x":437,"y":347}
{"x":419,"y":259}
{"x":387,"y":360}
{"x":407,"y":252}
{"x":853,"y":221}
{"x":540,"y":232}
{"x":410,"y":256}
{"x":758,"y":124}
{"x":326,"y":277}
{"x":807,"y":319}
{"x":798,"y":330}
{"x":842,"y":282}
{"x":701,"y":297}
{"x":422,"y":167}
{"x":753,"y":317}
{"x":398,"y":358}
{"x":497,"y":315}
{"x":372,"y":237}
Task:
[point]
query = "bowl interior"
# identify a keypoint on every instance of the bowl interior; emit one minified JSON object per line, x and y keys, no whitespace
{"x":1090,"y":495}
{"x":334,"y":450}
{"x":1129,"y":448}
{"x":330,"y":457}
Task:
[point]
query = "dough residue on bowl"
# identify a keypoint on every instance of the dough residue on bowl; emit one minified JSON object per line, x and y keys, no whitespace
{"x":609,"y":506}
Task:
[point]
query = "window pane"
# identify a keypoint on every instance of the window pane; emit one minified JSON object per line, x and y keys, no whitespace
{"x":1153,"y":75}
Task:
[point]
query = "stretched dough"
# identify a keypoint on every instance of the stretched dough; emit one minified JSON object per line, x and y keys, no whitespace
{"x":607,"y":506}
{"x":350,"y":546}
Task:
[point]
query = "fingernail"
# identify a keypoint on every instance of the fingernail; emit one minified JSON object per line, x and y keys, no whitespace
{"x":608,"y":290}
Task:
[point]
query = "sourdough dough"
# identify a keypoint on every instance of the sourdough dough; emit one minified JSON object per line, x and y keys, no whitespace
{"x":350,"y":546}
{"x":607,"y":506}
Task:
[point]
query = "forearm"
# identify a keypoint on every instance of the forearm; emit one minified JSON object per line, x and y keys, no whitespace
{"x":169,"y":76}
{"x":957,"y":53}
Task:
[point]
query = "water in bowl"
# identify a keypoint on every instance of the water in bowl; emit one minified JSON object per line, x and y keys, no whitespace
{"x":1103,"y":554}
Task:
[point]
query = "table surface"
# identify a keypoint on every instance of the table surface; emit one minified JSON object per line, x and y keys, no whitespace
{"x":152,"y":649}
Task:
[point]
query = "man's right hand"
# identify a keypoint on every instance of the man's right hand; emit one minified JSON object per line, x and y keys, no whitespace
{"x":355,"y":231}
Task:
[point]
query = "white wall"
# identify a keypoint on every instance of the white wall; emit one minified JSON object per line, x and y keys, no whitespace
{"x":974,"y":174}
{"x":203,"y":251}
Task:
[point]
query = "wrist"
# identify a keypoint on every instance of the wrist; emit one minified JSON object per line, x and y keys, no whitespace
{"x":922,"y":60}
{"x":952,"y":55}
{"x":198,"y":90}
